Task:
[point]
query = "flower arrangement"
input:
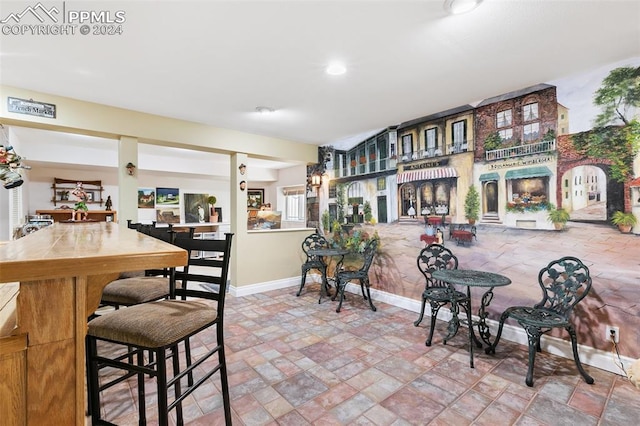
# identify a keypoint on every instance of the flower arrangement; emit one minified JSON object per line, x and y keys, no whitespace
{"x":355,"y":240}
{"x":353,"y":163}
{"x":513,"y":207}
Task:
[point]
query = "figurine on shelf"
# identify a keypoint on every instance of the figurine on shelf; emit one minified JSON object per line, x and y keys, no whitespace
{"x":108,"y":203}
{"x":80,"y":210}
{"x":9,"y":162}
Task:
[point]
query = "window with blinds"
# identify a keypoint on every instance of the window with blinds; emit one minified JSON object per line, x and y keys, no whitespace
{"x":294,"y":199}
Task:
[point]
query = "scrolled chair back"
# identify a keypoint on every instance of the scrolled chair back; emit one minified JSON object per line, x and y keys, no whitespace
{"x":314,"y":241}
{"x":564,"y":283}
{"x":369,"y":253}
{"x":434,"y":257}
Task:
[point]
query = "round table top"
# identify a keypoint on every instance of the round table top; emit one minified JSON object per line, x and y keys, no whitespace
{"x":328,"y":252}
{"x":471,"y":278}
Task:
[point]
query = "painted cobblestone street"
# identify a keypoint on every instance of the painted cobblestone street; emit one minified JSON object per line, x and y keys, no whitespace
{"x":613,"y":259}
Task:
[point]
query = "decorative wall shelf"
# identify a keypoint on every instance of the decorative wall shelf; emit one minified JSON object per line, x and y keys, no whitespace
{"x":62,"y":189}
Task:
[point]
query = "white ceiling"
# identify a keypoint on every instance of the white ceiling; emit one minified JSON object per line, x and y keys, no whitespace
{"x":214,"y":62}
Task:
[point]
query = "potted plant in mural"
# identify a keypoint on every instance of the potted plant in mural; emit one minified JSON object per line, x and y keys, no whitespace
{"x":326,"y":222}
{"x":559,"y":217}
{"x":212,"y":207}
{"x":472,"y":205}
{"x":624,"y":221}
{"x":367,"y":212}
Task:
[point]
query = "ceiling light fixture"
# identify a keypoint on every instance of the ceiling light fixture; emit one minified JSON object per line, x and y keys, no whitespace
{"x":264,"y":110}
{"x":456,"y":7}
{"x":336,"y":69}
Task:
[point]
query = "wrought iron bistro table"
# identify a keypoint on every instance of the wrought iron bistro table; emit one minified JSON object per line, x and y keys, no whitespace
{"x":327,"y":254}
{"x":471,"y":278}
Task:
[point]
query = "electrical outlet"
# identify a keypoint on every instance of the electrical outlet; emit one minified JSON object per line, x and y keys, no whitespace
{"x":610,"y":330}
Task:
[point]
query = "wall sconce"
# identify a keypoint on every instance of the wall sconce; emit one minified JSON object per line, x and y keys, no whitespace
{"x":242,"y":168}
{"x":243,"y":185}
{"x":316,"y":180}
{"x":131,"y":168}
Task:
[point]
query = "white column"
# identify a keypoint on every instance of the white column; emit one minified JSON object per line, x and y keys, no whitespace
{"x":127,"y":184}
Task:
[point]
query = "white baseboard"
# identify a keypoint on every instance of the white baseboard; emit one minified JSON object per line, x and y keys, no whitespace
{"x":588,"y":355}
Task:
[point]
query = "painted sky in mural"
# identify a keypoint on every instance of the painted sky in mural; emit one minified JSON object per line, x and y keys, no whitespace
{"x":576,"y":93}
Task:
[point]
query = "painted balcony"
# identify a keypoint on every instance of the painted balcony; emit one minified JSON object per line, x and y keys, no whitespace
{"x":521,"y":150}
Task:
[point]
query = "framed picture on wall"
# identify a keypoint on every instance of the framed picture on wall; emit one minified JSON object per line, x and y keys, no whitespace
{"x":196,"y":208}
{"x":255,"y":198}
{"x":146,"y":198}
{"x":167,"y":196}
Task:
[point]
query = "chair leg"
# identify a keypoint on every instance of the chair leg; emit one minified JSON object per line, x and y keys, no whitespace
{"x":574,"y":345}
{"x":92,"y":377}
{"x":435,"y":307}
{"x":163,"y":414}
{"x":224,"y":382}
{"x":533,"y":334}
{"x":340,"y":289}
{"x":187,"y":355}
{"x":175,"y":357}
{"x":368,"y":297}
{"x":492,"y":349}
{"x":302,"y":281}
{"x":142,"y":408}
{"x":424,"y":303}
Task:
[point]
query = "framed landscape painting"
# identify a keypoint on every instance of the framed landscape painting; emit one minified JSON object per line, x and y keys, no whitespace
{"x":167,"y":196}
{"x":146,"y":198}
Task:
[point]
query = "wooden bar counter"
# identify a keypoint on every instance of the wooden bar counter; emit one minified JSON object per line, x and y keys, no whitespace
{"x":62,"y":270}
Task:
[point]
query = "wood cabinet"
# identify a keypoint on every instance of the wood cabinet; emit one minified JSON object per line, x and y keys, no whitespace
{"x":61,"y":215}
{"x":63,"y":188}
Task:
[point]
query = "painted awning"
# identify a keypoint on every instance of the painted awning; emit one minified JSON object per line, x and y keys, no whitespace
{"x":489,"y":176}
{"x":427,"y":174}
{"x":635,"y":183}
{"x":528,"y":173}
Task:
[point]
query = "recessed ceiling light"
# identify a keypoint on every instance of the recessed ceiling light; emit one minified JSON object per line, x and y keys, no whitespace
{"x":336,"y":68}
{"x":264,"y":110}
{"x":456,"y":7}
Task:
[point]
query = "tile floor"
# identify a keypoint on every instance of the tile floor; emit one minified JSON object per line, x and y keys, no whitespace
{"x":293,"y":361}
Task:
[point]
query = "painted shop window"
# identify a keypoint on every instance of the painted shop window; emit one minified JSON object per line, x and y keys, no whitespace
{"x":531,"y":194}
{"x":531,"y":132}
{"x":530,"y":112}
{"x":504,"y":118}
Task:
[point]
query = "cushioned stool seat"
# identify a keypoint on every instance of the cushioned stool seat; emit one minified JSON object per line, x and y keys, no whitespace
{"x":133,"y":291}
{"x":153,"y":324}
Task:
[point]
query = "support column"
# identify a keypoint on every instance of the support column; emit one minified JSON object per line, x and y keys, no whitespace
{"x":127,"y":184}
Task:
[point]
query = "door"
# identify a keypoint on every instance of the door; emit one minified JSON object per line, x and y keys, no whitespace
{"x":382,"y":209}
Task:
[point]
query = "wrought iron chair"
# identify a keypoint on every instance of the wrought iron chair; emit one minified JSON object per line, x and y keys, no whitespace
{"x":313,"y":241}
{"x":439,"y":294}
{"x":564,"y":283}
{"x":362,"y":275}
{"x":159,"y":327}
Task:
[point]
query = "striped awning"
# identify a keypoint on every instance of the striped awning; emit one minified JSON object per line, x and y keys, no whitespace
{"x":635,"y":183}
{"x":427,"y":174}
{"x":529,"y":172}
{"x":489,"y":176}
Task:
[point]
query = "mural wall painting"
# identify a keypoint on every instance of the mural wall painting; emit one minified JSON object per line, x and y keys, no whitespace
{"x":549,"y":145}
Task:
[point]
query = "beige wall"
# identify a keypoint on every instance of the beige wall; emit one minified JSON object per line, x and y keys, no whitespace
{"x":255,"y":261}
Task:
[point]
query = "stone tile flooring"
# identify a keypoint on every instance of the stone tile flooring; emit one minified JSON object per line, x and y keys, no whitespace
{"x":293,"y":361}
